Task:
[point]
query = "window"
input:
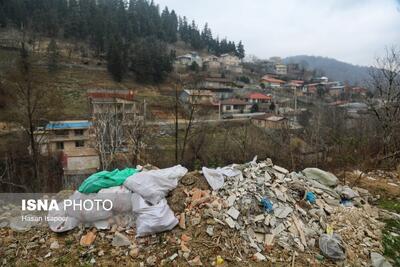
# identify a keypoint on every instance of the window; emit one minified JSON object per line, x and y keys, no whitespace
{"x":61,"y":132}
{"x":60,"y":145}
{"x":79,"y":132}
{"x":228,"y":107}
{"x":79,"y":143}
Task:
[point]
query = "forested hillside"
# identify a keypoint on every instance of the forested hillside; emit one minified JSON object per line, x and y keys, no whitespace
{"x":116,"y":29}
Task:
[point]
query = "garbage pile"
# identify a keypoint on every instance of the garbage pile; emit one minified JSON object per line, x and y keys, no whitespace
{"x":237,"y":214}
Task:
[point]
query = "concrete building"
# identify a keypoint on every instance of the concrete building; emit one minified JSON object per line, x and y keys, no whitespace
{"x":72,"y":143}
{"x":258,"y":98}
{"x":233,"y":105}
{"x":184,"y":61}
{"x":120,"y":102}
{"x":281,"y":69}
{"x":196,"y":96}
{"x":270,"y":121}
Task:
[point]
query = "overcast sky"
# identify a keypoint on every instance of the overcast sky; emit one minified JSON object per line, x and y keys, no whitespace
{"x":353,"y":31}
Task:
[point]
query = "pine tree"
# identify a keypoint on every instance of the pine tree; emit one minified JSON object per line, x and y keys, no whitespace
{"x":116,"y":59}
{"x":240,"y":50}
{"x":53,"y":56}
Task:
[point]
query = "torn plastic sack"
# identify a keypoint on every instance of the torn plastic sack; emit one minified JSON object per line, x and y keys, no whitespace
{"x":120,"y":197}
{"x":267,"y":204}
{"x":323,"y":177}
{"x":105,"y":179}
{"x":346,"y":192}
{"x":151,"y":219}
{"x":215,"y":177}
{"x":332,"y":246}
{"x":310,"y":197}
{"x":155,"y":184}
{"x":59,"y":221}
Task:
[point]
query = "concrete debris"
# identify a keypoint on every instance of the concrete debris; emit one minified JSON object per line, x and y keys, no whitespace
{"x":234,"y":213}
{"x":377,"y":260}
{"x":120,"y":240}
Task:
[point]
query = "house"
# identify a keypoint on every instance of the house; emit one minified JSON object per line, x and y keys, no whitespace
{"x":258,"y":98}
{"x":270,"y":82}
{"x":310,"y":89}
{"x":281,"y":69}
{"x":216,"y":83}
{"x":294,"y":84}
{"x":230,"y":63}
{"x":119,"y":102}
{"x":186,"y":60}
{"x":234,"y":105}
{"x":336,"y":91}
{"x":211,"y":63}
{"x":323,"y":80}
{"x":73,"y":143}
{"x":270,"y":121}
{"x":196,"y":96}
{"x":359,"y":91}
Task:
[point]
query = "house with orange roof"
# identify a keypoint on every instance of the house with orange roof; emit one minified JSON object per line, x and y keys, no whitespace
{"x":258,"y":98}
{"x":271,"y":82}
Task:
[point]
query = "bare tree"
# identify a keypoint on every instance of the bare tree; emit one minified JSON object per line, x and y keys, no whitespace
{"x":385,"y":103}
{"x":33,"y":100}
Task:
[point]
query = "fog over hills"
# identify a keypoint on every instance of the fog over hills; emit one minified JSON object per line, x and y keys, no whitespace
{"x":332,"y":68}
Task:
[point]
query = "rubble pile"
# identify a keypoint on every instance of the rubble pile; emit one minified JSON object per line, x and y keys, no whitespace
{"x":238,"y":214}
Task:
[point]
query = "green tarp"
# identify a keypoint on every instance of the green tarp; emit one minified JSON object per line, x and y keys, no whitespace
{"x":105,"y":179}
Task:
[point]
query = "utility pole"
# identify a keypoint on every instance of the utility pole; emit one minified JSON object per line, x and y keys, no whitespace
{"x":176,"y":123}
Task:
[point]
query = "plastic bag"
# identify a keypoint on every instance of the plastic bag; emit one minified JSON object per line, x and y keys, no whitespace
{"x":310,"y":197}
{"x":154,"y":185}
{"x":59,"y":221}
{"x":105,"y":179}
{"x":215,"y":177}
{"x":89,"y":214}
{"x":151,"y":219}
{"x":267,"y":204}
{"x":120,"y":197}
{"x":332,"y":246}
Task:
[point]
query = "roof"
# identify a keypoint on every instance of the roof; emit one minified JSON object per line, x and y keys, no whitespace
{"x":233,"y":101}
{"x":63,"y":125}
{"x":271,"y":80}
{"x":199,"y":92}
{"x":259,"y":96}
{"x":127,"y":95}
{"x":221,"y":80}
{"x":269,"y":117}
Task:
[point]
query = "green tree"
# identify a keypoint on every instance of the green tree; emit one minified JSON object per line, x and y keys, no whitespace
{"x":53,"y":56}
{"x":240,"y":50}
{"x":150,"y":60}
{"x":116,"y":59}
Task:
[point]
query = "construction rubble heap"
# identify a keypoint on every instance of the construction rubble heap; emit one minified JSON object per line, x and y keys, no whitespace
{"x":247,"y":214}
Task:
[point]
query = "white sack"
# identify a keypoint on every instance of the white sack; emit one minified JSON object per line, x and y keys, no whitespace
{"x":215,"y":177}
{"x":120,"y":197}
{"x":62,"y":225}
{"x":92,"y":215}
{"x":152,"y":219}
{"x":155,"y":184}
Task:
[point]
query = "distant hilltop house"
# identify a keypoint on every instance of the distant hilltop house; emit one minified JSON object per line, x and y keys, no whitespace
{"x":211,"y":63}
{"x":73,"y":143}
{"x":226,"y":63}
{"x":184,"y":61}
{"x":281,"y":69}
{"x":271,"y":82}
{"x":120,"y":102}
{"x":230,"y":63}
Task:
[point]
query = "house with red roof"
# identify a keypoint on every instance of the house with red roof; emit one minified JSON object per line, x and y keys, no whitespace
{"x":271,"y":82}
{"x":258,"y":98}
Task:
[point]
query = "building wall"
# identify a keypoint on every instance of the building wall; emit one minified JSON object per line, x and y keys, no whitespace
{"x":82,"y":163}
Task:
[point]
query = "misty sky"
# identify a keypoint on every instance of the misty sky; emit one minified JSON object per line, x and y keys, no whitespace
{"x":354,"y":31}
